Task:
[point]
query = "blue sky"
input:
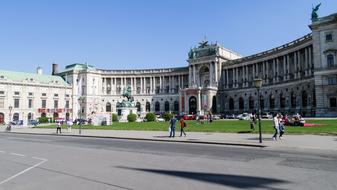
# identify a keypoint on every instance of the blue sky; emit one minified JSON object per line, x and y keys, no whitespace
{"x":130,"y":34}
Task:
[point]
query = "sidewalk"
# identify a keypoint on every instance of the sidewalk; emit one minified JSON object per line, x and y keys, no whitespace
{"x":289,"y":141}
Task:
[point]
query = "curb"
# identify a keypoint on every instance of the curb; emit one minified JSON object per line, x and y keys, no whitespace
{"x":145,"y":139}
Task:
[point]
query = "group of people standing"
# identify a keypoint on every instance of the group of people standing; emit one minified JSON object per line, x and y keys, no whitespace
{"x":172,"y":127}
{"x":279,"y":126}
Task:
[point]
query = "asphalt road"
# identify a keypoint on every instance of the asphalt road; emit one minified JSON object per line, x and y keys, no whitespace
{"x":33,"y":162}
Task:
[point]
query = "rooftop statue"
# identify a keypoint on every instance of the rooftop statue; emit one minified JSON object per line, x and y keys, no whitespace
{"x":314,"y":15}
{"x":203,"y":44}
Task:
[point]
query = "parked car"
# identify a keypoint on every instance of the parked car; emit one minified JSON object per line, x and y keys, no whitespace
{"x":17,"y":122}
{"x":215,"y":117}
{"x":33,"y":122}
{"x":230,"y":116}
{"x":266,"y":116}
{"x":160,"y":119}
{"x":80,"y":121}
{"x":139,"y":120}
{"x":189,"y":117}
{"x":244,"y":116}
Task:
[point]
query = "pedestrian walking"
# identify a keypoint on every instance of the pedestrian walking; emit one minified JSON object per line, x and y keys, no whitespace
{"x":173,"y":126}
{"x":182,"y":126}
{"x":276,"y":126}
{"x":253,"y":122}
{"x":69,"y":125}
{"x":58,"y":127}
{"x":281,"y":127}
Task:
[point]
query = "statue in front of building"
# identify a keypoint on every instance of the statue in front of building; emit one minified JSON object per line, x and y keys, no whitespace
{"x":314,"y":15}
{"x":130,"y":100}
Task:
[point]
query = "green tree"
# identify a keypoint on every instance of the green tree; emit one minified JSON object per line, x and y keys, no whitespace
{"x":150,"y":117}
{"x":114,"y":117}
{"x":132,"y":117}
{"x":167,"y":116}
{"x":43,"y":119}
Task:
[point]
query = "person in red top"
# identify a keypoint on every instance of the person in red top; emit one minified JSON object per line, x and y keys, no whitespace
{"x":182,"y":126}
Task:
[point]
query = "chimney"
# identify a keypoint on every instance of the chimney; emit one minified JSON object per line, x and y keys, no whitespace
{"x":39,"y":71}
{"x":55,"y":69}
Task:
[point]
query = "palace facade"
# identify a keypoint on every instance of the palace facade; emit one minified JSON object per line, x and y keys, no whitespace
{"x":298,"y":77}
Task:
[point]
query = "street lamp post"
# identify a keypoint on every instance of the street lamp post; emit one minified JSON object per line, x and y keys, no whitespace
{"x":10,"y":117}
{"x":258,"y":85}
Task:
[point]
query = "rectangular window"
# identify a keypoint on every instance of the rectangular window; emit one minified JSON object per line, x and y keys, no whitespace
{"x":2,"y":92}
{"x":44,"y":94}
{"x":56,"y":104}
{"x":44,"y":104}
{"x":30,"y":94}
{"x":328,"y":37}
{"x":332,"y":80}
{"x":17,"y":93}
{"x":333,"y":102}
{"x":2,"y":103}
{"x":56,"y":95}
{"x":30,"y":103}
{"x":67,"y":104}
{"x":16,"y":103}
{"x":67,"y":95}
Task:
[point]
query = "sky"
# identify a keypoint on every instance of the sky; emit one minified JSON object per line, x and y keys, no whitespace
{"x":139,"y":34}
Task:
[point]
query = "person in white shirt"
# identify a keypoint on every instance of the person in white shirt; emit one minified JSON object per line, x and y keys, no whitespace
{"x":276,"y":126}
{"x":69,"y":125}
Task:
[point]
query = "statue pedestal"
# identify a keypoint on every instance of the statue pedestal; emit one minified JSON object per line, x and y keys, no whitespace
{"x":123,"y":113}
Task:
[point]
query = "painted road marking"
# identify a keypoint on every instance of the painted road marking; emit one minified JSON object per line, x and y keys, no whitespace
{"x":16,"y":154}
{"x":42,"y":160}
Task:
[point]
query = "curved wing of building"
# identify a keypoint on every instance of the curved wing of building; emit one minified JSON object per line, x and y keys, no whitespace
{"x":298,"y":77}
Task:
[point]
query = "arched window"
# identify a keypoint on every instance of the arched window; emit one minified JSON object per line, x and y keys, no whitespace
{"x":138,"y":106}
{"x":108,"y":107}
{"x":167,"y":106}
{"x":304,"y":99}
{"x":157,"y":106}
{"x":241,"y":103}
{"x":293,"y":100}
{"x":176,"y":106}
{"x":214,"y":110}
{"x":148,"y":106}
{"x":329,"y":60}
{"x":261,"y":102}
{"x":271,"y":102}
{"x":282,"y":101}
{"x":231,"y":104}
{"x":251,"y":103}
{"x":16,"y":117}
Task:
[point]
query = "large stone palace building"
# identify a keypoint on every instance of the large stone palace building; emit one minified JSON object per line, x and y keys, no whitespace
{"x":298,"y":77}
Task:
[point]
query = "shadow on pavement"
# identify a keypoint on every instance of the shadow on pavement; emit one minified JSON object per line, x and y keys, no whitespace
{"x":237,"y":181}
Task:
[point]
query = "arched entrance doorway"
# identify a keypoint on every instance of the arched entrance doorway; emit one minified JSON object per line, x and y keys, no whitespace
{"x":55,"y":116}
{"x":192,"y":105}
{"x":16,"y":117}
{"x":138,"y":106}
{"x":2,"y":118}
{"x":30,"y":116}
{"x":214,"y":110}
{"x":148,"y":106}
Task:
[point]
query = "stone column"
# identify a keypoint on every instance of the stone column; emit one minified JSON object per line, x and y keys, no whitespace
{"x":306,"y":71}
{"x":253,"y":70}
{"x":194,"y":72}
{"x":227,"y":82}
{"x":288,"y":67}
{"x":277,"y":72}
{"x":216,"y":72}
{"x":309,"y":61}
{"x":264,"y":71}
{"x":186,"y":110}
{"x":179,"y":82}
{"x":199,"y":102}
{"x":284,"y":67}
{"x":274,"y":70}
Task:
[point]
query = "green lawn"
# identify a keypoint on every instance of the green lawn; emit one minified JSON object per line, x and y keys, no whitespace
{"x":329,"y":127}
